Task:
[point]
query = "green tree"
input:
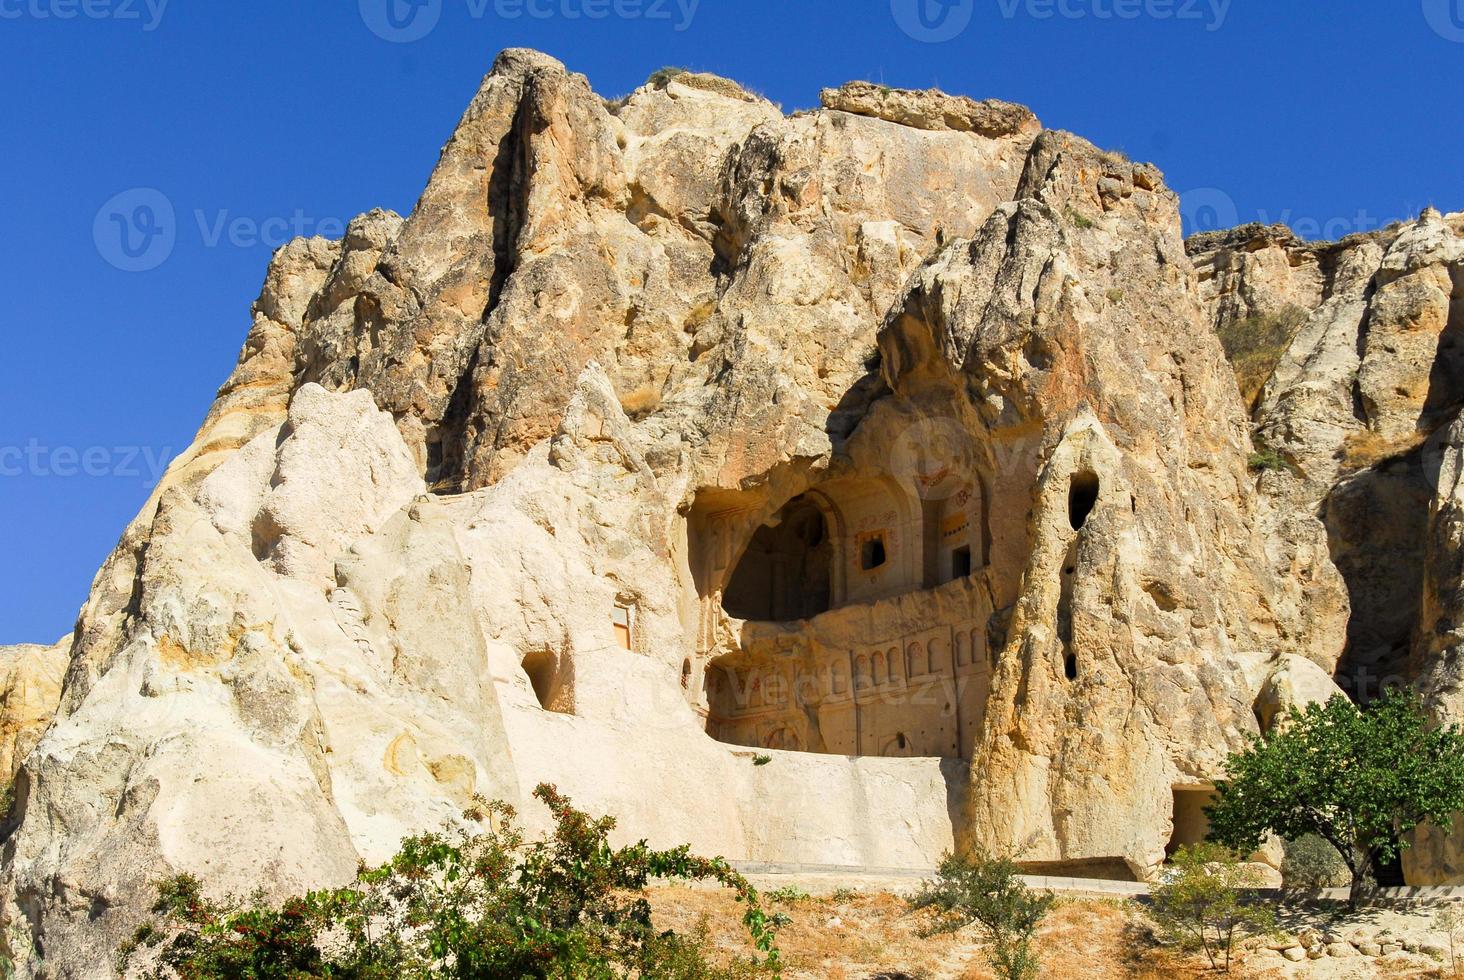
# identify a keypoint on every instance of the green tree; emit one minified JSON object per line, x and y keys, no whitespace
{"x":1359,"y":779}
{"x":468,"y":906}
{"x":989,"y":893}
{"x":1199,"y":903}
{"x":1312,"y":864}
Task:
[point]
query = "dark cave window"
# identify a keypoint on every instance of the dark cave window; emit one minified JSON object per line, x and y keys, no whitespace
{"x":1070,"y":667}
{"x":1082,"y":498}
{"x":872,"y":554}
{"x":961,"y":563}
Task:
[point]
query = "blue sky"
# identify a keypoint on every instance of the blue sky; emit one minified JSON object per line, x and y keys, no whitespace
{"x":249,"y":121}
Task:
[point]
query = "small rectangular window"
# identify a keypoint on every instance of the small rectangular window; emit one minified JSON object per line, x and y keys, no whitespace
{"x":621,"y":621}
{"x":872,"y":552}
{"x":961,"y":563}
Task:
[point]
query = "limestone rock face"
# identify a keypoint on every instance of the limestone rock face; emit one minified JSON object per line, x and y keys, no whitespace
{"x":1372,"y":368}
{"x":1068,"y":338}
{"x":1363,"y":406}
{"x":836,"y":488}
{"x":30,"y":686}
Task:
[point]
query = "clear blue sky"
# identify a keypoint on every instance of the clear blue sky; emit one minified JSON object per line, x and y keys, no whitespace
{"x":1333,"y":114}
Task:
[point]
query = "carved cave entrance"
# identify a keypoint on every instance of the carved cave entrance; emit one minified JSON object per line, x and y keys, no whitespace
{"x":857,"y":628}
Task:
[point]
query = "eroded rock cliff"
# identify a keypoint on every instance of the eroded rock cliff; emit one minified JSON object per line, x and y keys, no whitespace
{"x":888,"y":442}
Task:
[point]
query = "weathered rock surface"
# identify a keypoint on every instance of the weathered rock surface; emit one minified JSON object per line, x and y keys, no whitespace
{"x":30,"y":686}
{"x":828,"y":489}
{"x":1363,"y":406}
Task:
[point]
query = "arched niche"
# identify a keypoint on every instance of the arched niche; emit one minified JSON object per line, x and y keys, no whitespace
{"x":786,"y":571}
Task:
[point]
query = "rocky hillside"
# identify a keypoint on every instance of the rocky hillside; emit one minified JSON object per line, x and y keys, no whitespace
{"x":1354,"y":354}
{"x":835,"y":488}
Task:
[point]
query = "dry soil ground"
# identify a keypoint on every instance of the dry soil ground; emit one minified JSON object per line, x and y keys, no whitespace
{"x":866,"y":935}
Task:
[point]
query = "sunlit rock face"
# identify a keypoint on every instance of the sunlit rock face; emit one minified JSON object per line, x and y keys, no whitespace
{"x":1361,"y":411}
{"x":835,"y":488}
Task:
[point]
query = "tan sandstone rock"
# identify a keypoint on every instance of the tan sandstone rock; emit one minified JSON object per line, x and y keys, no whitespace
{"x":884,"y":444}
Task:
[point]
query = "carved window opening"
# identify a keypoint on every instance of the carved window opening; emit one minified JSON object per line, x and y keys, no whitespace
{"x":961,"y":563}
{"x":872,"y":553}
{"x":1070,"y":666}
{"x":542,"y":668}
{"x":623,"y":623}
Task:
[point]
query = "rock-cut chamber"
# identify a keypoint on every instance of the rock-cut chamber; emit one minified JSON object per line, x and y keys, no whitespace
{"x":849,"y":619}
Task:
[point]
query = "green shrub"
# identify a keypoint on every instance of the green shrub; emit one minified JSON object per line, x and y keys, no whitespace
{"x":481,"y":906}
{"x":1312,"y":864}
{"x":662,"y":77}
{"x":1266,"y":458}
{"x":788,"y":895}
{"x":989,"y":893}
{"x":1198,"y":904}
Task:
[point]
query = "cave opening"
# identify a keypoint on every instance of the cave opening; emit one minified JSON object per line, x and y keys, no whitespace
{"x":1082,"y":498}
{"x":542,"y":668}
{"x":1191,"y":826}
{"x":787,"y":571}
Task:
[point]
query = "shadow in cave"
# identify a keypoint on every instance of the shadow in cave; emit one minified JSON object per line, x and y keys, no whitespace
{"x":1377,"y":523}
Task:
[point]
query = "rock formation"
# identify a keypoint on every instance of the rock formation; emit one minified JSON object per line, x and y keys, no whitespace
{"x":835,"y":488}
{"x":1360,"y":409}
{"x":30,"y":686}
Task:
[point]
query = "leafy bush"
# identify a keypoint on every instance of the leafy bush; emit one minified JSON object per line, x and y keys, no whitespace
{"x":480,"y":906}
{"x":788,"y":895}
{"x":1265,"y":458}
{"x":1450,"y":921}
{"x":1198,"y":904}
{"x":1359,"y":779}
{"x":1255,"y":345}
{"x":1312,"y":864}
{"x":989,"y":892}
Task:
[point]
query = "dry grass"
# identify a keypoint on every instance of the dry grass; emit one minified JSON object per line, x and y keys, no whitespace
{"x":1255,"y":346}
{"x":873,"y":935}
{"x":862,"y":936}
{"x":1361,"y":450}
